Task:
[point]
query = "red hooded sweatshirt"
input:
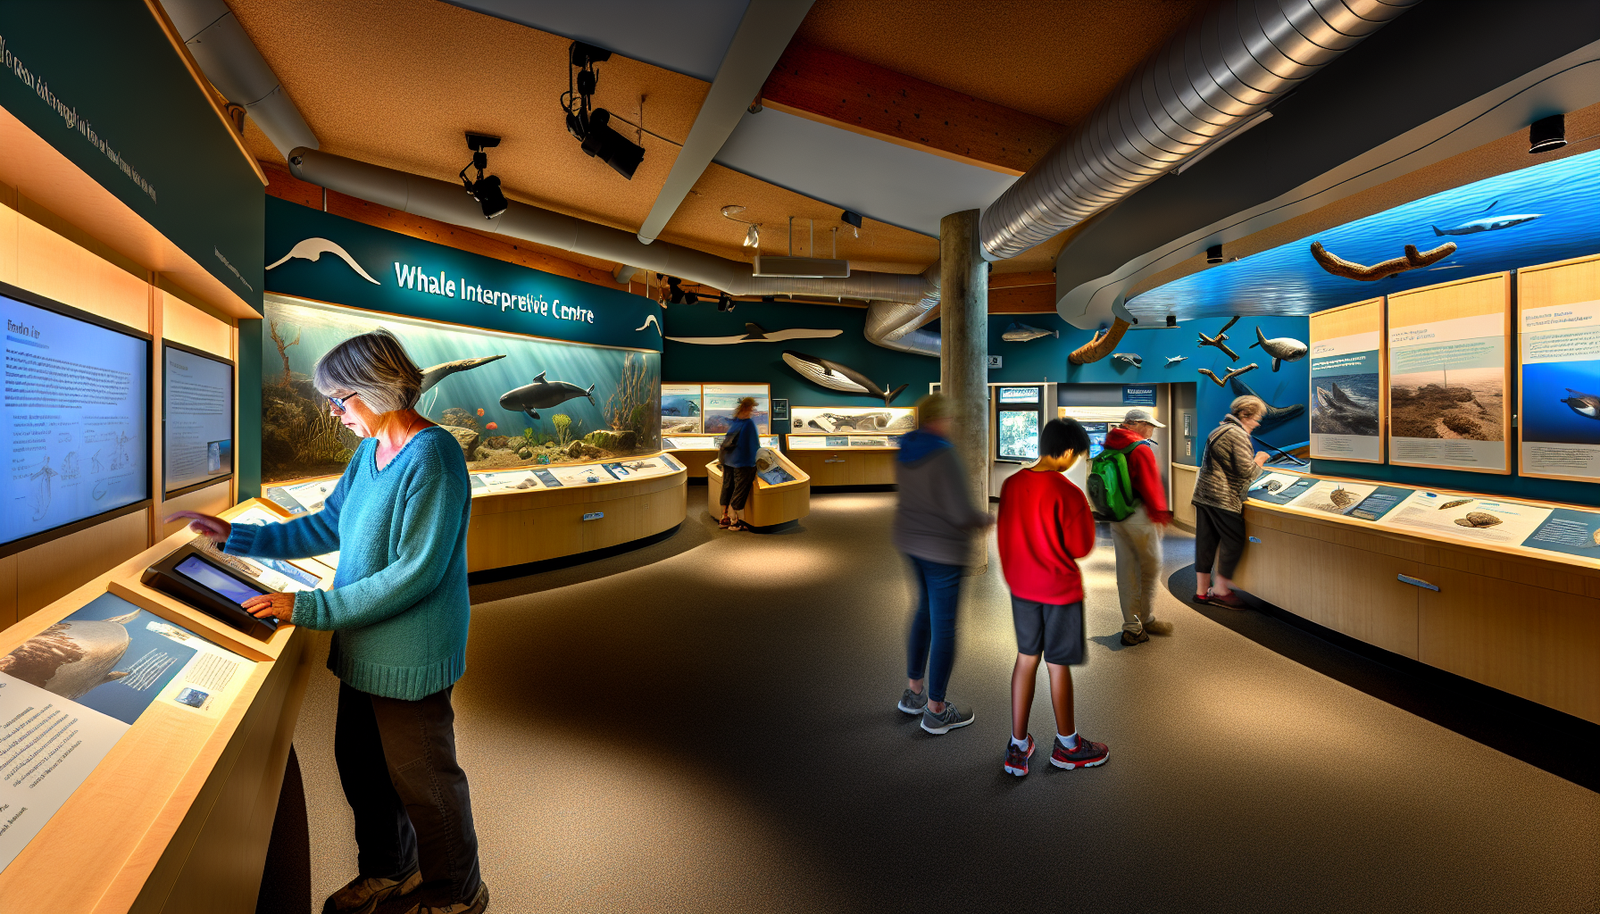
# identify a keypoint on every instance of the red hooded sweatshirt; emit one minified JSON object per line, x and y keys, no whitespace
{"x":1045,"y":525}
{"x":1143,"y":472}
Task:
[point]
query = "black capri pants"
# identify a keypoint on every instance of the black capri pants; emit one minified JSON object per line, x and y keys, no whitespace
{"x":736,"y":485}
{"x":1219,"y":540}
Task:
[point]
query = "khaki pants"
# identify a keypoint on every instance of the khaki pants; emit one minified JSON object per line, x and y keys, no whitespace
{"x":1138,"y":544}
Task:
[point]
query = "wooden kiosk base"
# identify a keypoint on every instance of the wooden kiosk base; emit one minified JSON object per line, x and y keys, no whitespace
{"x":769,"y":505}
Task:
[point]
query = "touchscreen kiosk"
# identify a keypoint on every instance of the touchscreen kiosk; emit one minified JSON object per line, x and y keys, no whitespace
{"x":200,"y":581}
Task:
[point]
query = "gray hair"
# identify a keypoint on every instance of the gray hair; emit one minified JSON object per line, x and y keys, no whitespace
{"x":1247,"y":407}
{"x":375,"y":366}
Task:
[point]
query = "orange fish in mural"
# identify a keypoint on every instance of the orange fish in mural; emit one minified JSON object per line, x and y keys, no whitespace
{"x":480,"y":410}
{"x":491,"y":426}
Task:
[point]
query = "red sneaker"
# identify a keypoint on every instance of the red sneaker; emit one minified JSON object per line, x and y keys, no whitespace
{"x":1017,"y":757}
{"x":1087,"y":755}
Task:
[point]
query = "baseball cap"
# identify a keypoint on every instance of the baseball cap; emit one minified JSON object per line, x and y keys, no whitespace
{"x":1140,"y":415}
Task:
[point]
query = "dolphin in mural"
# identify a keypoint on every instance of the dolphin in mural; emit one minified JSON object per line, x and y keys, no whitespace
{"x":834,"y":376}
{"x":71,"y":658}
{"x":542,"y":394}
{"x":1275,"y":415}
{"x":312,"y":249}
{"x":437,"y":373}
{"x":1586,"y":405}
{"x":1487,"y":223}
{"x":755,"y":333}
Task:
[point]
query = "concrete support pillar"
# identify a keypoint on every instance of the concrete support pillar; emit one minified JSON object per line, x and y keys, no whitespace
{"x":964,"y":354}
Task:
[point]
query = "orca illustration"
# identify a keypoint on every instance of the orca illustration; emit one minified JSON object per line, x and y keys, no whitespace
{"x":312,"y":249}
{"x":1275,"y":415}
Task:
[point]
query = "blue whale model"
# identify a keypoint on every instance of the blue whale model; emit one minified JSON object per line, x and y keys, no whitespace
{"x":1487,"y":223}
{"x":542,"y":394}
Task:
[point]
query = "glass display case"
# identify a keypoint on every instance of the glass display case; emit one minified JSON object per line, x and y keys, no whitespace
{"x":849,"y":420}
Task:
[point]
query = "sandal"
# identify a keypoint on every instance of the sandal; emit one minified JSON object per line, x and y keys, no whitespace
{"x":724,"y":521}
{"x":740,"y":525}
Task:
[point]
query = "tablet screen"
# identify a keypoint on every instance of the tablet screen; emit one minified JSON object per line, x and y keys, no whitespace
{"x":203,"y":573}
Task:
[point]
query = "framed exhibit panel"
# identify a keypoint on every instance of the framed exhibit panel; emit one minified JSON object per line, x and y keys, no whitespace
{"x":196,"y":418}
{"x":721,"y":400}
{"x":75,"y":424}
{"x":1019,"y":415}
{"x":1349,"y":375}
{"x":1558,"y":385}
{"x":682,"y":409}
{"x":1447,"y":393}
{"x":850,"y":420}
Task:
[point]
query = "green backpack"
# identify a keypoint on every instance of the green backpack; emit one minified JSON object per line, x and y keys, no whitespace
{"x":1110,"y":488}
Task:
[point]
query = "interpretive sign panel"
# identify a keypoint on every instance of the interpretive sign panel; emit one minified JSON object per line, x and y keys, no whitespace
{"x":722,"y":400}
{"x":1481,"y":520}
{"x":681,"y":409}
{"x":1448,"y":376}
{"x":1347,"y":383}
{"x":1559,"y":338}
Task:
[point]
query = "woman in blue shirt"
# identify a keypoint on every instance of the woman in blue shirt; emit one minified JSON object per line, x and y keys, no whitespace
{"x":738,"y":459}
{"x":399,"y":610}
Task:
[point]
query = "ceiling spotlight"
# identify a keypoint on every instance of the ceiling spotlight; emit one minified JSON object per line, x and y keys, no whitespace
{"x":724,"y":303}
{"x":593,"y":127}
{"x":1172,"y":320}
{"x":674,"y":290}
{"x":752,"y":238}
{"x":1547,"y":133}
{"x":484,"y":189}
{"x":1214,"y":254}
{"x":853,"y":220}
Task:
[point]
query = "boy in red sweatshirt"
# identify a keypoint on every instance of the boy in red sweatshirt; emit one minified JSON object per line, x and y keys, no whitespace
{"x":1137,"y":537}
{"x":1045,"y":525}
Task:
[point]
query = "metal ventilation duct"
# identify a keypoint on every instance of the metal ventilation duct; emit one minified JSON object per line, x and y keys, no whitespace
{"x":1206,"y":82}
{"x":897,"y":302}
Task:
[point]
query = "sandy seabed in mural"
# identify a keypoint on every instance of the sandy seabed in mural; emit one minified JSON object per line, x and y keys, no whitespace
{"x":1465,"y":403}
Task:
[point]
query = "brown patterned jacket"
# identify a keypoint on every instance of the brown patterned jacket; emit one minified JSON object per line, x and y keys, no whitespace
{"x":1228,"y":468}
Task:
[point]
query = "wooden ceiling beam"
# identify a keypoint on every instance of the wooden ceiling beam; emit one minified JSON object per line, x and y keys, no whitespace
{"x":831,"y":88}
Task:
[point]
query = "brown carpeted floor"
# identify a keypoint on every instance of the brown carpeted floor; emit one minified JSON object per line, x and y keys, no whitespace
{"x":708,"y":724}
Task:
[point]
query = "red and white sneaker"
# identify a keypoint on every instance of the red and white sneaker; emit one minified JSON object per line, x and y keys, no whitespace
{"x":1017,"y":757}
{"x":1087,"y":755}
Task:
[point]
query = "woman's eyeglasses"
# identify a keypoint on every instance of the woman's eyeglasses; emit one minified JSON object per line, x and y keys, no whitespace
{"x":339,"y":402}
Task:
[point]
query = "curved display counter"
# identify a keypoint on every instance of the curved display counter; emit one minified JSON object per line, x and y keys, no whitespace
{"x":845,"y":460}
{"x":782,"y":491}
{"x":1502,"y":592}
{"x":536,"y":513}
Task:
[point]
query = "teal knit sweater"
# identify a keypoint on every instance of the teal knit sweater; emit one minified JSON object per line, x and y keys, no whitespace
{"x":398,"y":606}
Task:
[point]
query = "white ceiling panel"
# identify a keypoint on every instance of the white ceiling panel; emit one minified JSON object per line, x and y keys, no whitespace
{"x":881,"y":180}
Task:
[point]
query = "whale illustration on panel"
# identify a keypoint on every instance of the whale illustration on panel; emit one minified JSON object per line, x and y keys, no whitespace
{"x":70,"y":658}
{"x":1282,"y":349}
{"x":437,"y":373}
{"x":1586,"y":405}
{"x":1275,"y":415}
{"x":755,"y":333}
{"x":312,"y":249}
{"x":542,"y":394}
{"x":1487,"y":223}
{"x":834,"y":376}
{"x":1018,"y":332}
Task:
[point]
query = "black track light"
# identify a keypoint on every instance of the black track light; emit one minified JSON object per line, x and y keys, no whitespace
{"x":1172,"y":320}
{"x":1214,"y":254}
{"x":484,"y":188}
{"x":593,"y":127}
{"x":724,"y":303}
{"x":1547,"y":133}
{"x":675,"y":291}
{"x":611,"y":147}
{"x":689,"y":298}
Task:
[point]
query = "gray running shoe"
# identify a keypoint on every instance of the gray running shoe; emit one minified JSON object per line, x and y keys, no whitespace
{"x":913,"y":702}
{"x":363,"y":894}
{"x":950,"y":718}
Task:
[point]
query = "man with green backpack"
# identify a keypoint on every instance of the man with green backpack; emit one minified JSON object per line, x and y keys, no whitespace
{"x":1125,"y":489}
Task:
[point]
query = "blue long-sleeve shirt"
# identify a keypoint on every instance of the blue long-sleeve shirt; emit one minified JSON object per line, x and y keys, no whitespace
{"x":747,"y":441}
{"x":398,"y":606}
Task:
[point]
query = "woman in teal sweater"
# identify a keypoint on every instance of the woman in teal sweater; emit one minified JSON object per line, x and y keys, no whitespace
{"x":398,"y":609}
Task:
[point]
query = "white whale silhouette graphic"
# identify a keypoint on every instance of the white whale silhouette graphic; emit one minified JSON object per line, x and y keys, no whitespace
{"x":647,"y":322}
{"x":313,"y":248}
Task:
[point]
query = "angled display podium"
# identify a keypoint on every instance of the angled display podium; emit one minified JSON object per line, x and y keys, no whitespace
{"x":782,"y":491}
{"x":1503,"y":592}
{"x":172,"y":810}
{"x":535,"y":513}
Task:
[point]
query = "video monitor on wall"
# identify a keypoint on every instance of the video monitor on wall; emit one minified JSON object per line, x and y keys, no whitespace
{"x":196,"y":418}
{"x":75,"y":421}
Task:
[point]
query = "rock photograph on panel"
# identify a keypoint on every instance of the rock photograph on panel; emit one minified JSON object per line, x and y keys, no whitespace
{"x":1461,"y":403}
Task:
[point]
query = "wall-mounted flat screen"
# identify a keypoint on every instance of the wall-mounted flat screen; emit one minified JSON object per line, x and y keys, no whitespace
{"x":1097,"y":436}
{"x":196,"y":418}
{"x":74,"y":424}
{"x":1019,"y":395}
{"x":1019,"y":434}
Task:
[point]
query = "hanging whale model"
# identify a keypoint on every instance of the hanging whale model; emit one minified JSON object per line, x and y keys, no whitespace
{"x":1129,"y":358}
{"x":71,"y":658}
{"x":1175,"y":359}
{"x":832,"y":375}
{"x":1275,"y":415}
{"x":1282,"y":349}
{"x":1487,"y":223}
{"x":1018,"y":332}
{"x":437,"y":373}
{"x":542,"y":394}
{"x":755,"y":333}
{"x":1586,"y":405}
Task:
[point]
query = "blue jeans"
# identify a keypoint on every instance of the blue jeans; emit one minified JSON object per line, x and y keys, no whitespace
{"x":932,"y":644}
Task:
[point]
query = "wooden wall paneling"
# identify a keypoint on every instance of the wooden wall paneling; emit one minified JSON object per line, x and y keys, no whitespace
{"x":1537,"y":643}
{"x":1470,"y":297}
{"x":516,"y":528}
{"x":183,"y":323}
{"x":846,"y":466}
{"x":695,"y":461}
{"x":1547,"y":285}
{"x":8,"y":592}
{"x":1183,"y":480}
{"x":50,"y":571}
{"x":57,"y":268}
{"x":9,"y":227}
{"x":1348,"y":320}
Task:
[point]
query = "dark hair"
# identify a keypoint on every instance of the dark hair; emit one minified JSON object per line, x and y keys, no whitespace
{"x":1062,"y":435}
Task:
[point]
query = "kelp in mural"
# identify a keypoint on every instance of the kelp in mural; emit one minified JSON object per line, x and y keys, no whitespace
{"x":509,"y":400}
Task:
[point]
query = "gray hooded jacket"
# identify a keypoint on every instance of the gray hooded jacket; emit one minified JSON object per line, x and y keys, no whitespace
{"x":935,"y":519}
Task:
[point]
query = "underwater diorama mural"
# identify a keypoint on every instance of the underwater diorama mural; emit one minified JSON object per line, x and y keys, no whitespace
{"x":509,"y":400}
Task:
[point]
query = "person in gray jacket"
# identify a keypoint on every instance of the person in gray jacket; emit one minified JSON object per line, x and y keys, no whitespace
{"x":933,"y":525}
{"x":1225,"y":475}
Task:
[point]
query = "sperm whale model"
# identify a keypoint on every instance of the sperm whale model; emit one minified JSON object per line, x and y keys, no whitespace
{"x":437,"y":373}
{"x":1586,"y":405}
{"x":1282,"y":348}
{"x":542,"y":394}
{"x":1275,"y":415}
{"x":834,"y":376}
{"x":1487,"y":223}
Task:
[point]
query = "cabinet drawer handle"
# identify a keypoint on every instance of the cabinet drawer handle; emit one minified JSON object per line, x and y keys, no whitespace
{"x":1255,"y":539}
{"x":1418,"y":582}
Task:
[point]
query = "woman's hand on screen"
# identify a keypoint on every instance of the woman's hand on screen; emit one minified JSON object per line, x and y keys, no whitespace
{"x":277,"y":605}
{"x":215,"y":527}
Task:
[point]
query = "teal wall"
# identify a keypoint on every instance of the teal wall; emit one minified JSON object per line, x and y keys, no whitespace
{"x":249,"y":450}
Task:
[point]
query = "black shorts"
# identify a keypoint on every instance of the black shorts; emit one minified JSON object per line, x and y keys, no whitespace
{"x":736,"y":485}
{"x":1055,"y":631}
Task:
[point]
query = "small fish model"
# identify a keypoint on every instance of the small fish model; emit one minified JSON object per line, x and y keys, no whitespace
{"x":1220,"y":341}
{"x":1232,"y":373}
{"x":542,"y":394}
{"x":834,"y":376}
{"x":1282,"y":349}
{"x":1455,"y":504}
{"x":1586,"y":405}
{"x":1349,"y":269}
{"x":1478,"y":519}
{"x":437,"y":373}
{"x":755,"y":333}
{"x":1129,"y":358}
{"x":1175,"y":359}
{"x":1018,"y":332}
{"x":1486,"y":223}
{"x":1275,"y":415}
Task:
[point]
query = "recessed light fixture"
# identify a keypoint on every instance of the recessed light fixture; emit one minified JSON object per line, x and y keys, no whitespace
{"x":1214,"y":254}
{"x":1547,"y":133}
{"x":1172,"y":320}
